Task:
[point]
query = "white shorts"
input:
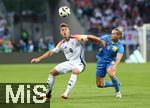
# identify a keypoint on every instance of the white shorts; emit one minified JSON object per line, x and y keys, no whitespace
{"x":67,"y":66}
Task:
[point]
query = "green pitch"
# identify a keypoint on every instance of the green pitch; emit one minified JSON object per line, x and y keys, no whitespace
{"x":134,"y":78}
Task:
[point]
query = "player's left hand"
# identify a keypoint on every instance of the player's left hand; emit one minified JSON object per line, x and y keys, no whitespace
{"x":35,"y":60}
{"x":112,"y":70}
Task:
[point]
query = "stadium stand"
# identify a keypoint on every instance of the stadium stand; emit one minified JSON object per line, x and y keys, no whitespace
{"x":31,"y":31}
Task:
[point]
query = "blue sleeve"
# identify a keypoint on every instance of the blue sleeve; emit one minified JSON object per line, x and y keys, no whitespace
{"x":105,"y":38}
{"x":120,"y":49}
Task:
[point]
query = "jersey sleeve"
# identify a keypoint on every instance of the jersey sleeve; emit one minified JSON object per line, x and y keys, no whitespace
{"x":58,"y":47}
{"x":120,"y":50}
{"x":105,"y":38}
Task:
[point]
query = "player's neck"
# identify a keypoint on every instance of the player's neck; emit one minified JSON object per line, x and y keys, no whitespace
{"x":67,"y":38}
{"x":115,"y":41}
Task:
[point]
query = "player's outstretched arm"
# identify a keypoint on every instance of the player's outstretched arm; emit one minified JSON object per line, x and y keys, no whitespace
{"x":91,"y":38}
{"x":48,"y":53}
{"x":96,"y":40}
{"x":45,"y":55}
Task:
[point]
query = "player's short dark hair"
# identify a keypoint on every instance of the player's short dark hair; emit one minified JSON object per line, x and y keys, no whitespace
{"x":63,"y":25}
{"x":119,"y":32}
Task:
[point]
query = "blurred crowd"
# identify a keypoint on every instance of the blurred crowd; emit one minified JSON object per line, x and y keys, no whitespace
{"x":24,"y":43}
{"x":100,"y":16}
{"x":5,"y":43}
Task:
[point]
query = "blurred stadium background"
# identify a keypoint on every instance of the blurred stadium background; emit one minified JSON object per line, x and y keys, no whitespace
{"x":29,"y":28}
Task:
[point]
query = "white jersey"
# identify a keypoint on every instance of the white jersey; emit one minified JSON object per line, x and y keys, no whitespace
{"x":73,"y":50}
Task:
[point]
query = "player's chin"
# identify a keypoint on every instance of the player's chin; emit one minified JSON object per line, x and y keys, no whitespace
{"x":115,"y":39}
{"x":64,"y":35}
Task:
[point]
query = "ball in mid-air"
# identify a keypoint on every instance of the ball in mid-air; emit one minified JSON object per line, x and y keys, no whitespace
{"x":64,"y":11}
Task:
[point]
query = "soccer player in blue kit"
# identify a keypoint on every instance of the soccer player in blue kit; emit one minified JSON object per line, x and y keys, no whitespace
{"x":109,"y":57}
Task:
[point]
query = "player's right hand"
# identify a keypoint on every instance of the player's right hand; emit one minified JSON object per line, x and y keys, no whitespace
{"x":35,"y":60}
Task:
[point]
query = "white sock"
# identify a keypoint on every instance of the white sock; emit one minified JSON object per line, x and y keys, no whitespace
{"x":50,"y":81}
{"x":71,"y":84}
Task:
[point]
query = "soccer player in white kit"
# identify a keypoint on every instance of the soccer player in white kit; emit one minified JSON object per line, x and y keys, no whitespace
{"x":73,"y":48}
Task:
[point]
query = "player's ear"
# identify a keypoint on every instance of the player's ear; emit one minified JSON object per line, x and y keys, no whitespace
{"x":120,"y":36}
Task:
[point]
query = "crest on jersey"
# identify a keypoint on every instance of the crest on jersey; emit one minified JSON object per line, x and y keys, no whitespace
{"x":114,"y":48}
{"x":71,"y":50}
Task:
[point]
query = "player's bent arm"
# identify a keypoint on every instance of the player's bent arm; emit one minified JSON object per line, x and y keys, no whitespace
{"x":112,"y":69}
{"x":96,"y":40}
{"x":118,"y":58}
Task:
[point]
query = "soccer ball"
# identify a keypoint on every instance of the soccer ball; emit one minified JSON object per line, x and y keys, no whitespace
{"x":64,"y":11}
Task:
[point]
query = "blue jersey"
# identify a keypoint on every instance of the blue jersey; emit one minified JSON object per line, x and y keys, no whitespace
{"x":108,"y":53}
